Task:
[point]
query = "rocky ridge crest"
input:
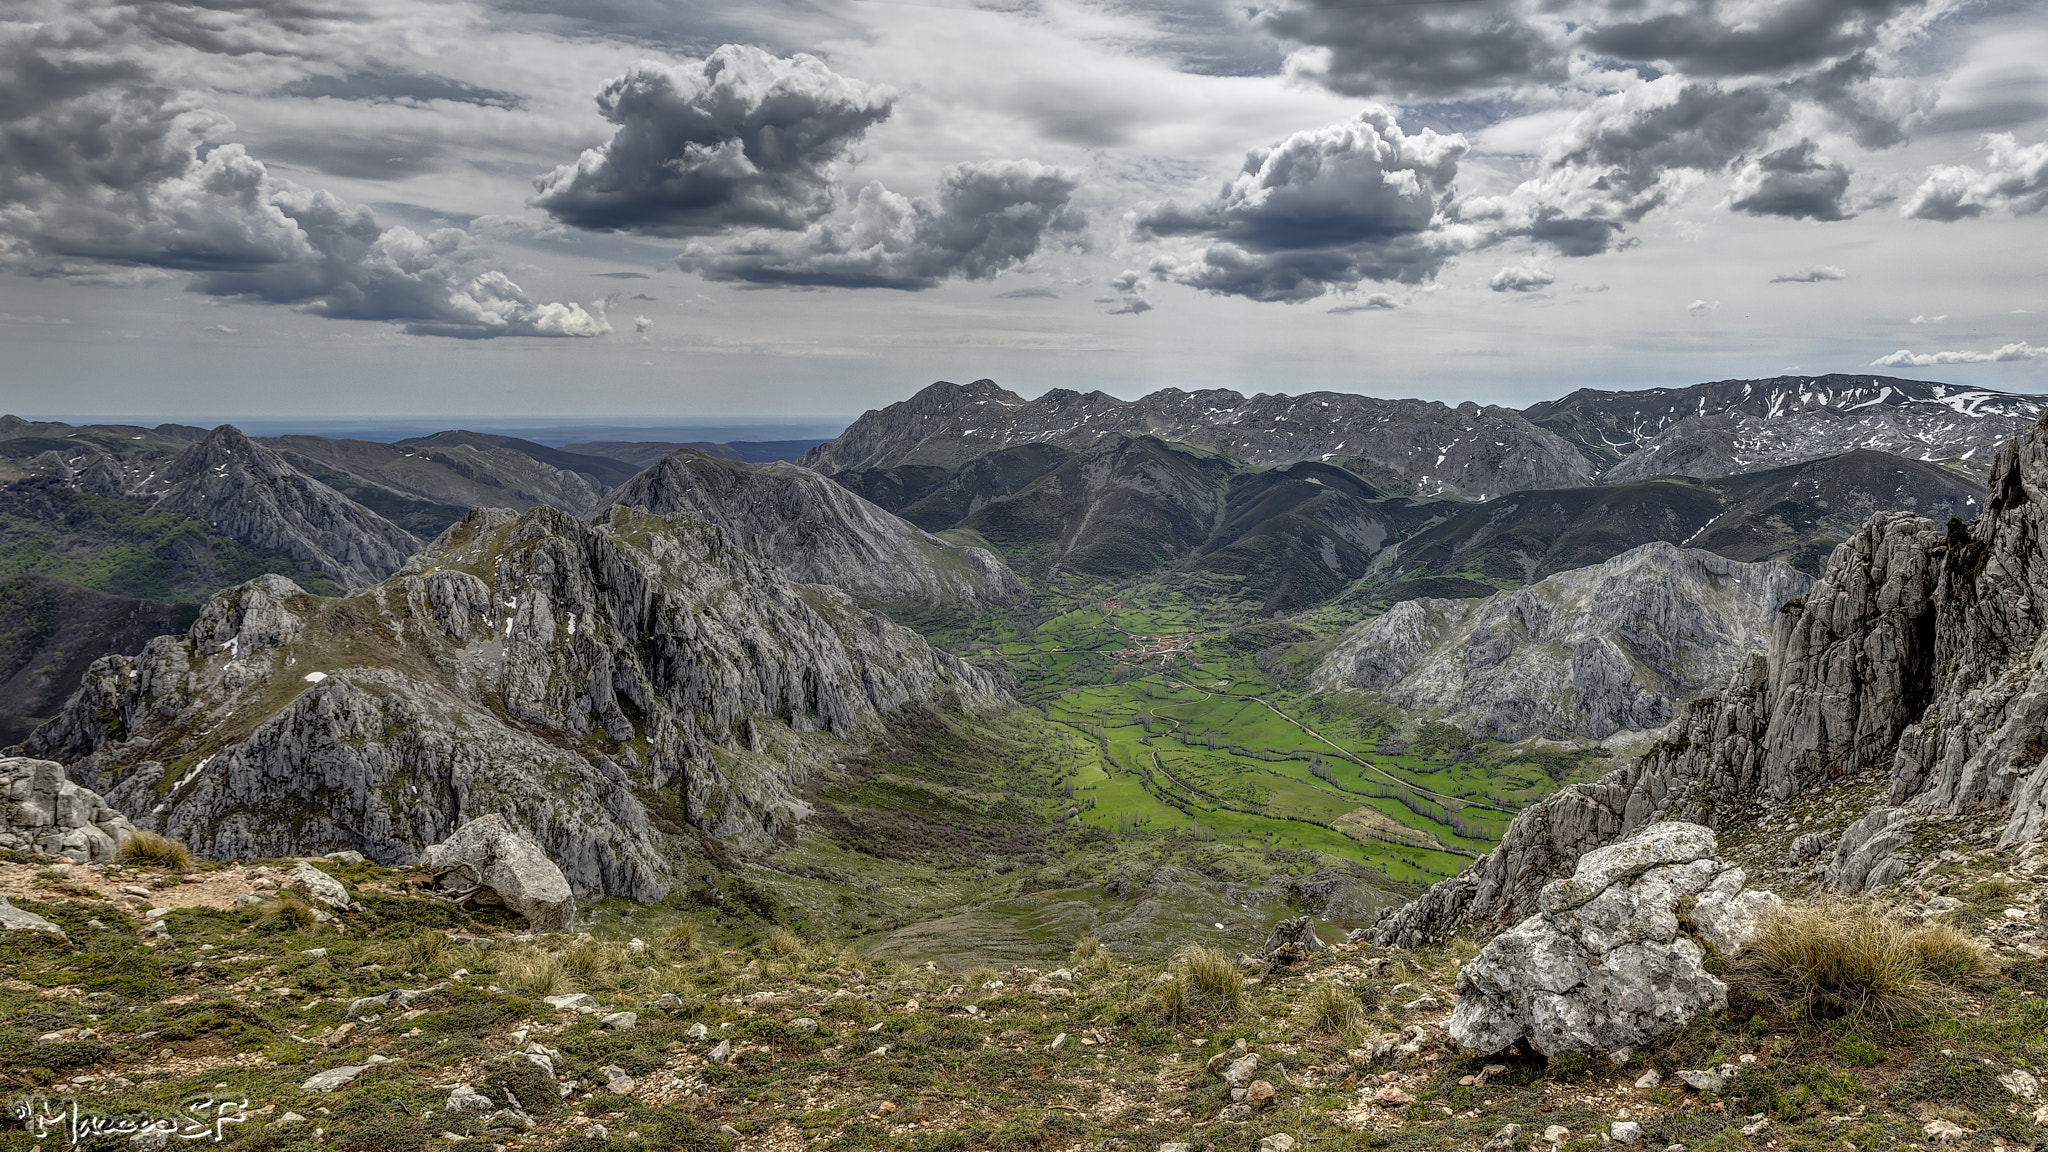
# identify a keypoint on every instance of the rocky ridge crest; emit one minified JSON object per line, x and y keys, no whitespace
{"x":600,"y":684}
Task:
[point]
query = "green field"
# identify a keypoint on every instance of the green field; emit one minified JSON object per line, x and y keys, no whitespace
{"x":1199,"y":726}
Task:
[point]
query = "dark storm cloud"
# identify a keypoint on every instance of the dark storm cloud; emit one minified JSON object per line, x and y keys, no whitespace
{"x":741,"y":138}
{"x":2014,"y":177}
{"x":986,"y":217}
{"x":1327,"y":207}
{"x":386,"y":86}
{"x":104,"y":172}
{"x":1427,"y":50}
{"x":1623,"y":157}
{"x":1716,"y":38}
{"x":1844,"y":89}
{"x":1793,"y":183}
{"x":1703,"y":127}
{"x":1448,"y":50}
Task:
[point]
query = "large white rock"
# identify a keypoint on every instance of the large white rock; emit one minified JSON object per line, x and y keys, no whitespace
{"x":320,"y":886}
{"x":485,"y":860}
{"x":1605,"y":966}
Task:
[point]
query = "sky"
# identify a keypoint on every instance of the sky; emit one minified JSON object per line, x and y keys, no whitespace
{"x":488,"y":211}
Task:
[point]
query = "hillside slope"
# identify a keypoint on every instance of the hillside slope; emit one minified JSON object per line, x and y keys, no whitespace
{"x":52,"y":631}
{"x":1590,"y":652}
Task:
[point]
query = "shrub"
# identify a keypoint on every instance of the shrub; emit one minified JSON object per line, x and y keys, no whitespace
{"x":1332,"y":1009}
{"x":1857,"y":1052}
{"x":1849,"y":958}
{"x":154,"y":850}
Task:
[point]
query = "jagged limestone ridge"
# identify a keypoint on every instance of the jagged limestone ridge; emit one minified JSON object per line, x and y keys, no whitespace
{"x":1919,"y":655}
{"x":818,"y":532}
{"x":1597,"y":650}
{"x":594,"y":682}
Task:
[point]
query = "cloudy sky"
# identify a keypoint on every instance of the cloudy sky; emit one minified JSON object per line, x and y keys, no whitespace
{"x":488,"y":210}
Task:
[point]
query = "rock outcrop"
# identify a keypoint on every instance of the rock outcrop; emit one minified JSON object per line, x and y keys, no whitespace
{"x":1591,"y":652}
{"x":1918,"y":661}
{"x":487,"y":862}
{"x":817,"y":532}
{"x":1603,"y":965}
{"x":42,"y":811}
{"x":600,"y":684}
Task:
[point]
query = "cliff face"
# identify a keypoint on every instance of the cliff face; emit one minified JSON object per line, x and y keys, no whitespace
{"x":818,"y":532}
{"x":599,"y":684}
{"x":1591,"y":652}
{"x":1917,"y":664}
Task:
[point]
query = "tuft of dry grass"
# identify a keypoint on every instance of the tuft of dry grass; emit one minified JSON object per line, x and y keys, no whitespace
{"x":292,"y":909}
{"x":1213,"y":974}
{"x":532,"y":971}
{"x":783,"y":944}
{"x":1849,"y":958}
{"x":1948,"y":954}
{"x":683,"y":937}
{"x":154,"y":850}
{"x":1332,"y":1009}
{"x":1086,"y":947}
{"x":591,"y":961}
{"x":1998,"y":887}
{"x":423,"y":949}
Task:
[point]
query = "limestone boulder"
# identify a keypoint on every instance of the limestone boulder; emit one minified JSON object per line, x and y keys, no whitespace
{"x":1607,"y":964}
{"x":43,"y":811}
{"x":487,"y":861}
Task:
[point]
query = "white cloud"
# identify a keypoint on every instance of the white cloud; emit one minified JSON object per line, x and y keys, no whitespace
{"x":1905,"y":358}
{"x":2013,"y":177}
{"x":1702,"y":307}
{"x":1528,"y":277}
{"x":1926,"y":319}
{"x":1376,"y":302}
{"x":1813,"y":274}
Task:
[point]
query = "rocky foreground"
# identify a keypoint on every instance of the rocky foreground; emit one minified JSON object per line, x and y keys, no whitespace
{"x":380,"y":1017}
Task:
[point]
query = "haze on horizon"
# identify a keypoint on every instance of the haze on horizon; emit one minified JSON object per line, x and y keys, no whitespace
{"x":488,"y":212}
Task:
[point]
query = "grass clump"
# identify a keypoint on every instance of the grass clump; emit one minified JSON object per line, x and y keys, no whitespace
{"x":154,"y":850}
{"x":424,"y":949}
{"x":291,"y":912}
{"x":1332,"y":1009}
{"x":683,"y":937}
{"x":1199,"y":983}
{"x":783,"y":944}
{"x":1850,"y":959}
{"x":533,"y":972}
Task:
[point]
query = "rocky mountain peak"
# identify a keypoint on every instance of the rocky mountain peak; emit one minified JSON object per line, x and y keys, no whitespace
{"x":817,"y":532}
{"x":253,"y":495}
